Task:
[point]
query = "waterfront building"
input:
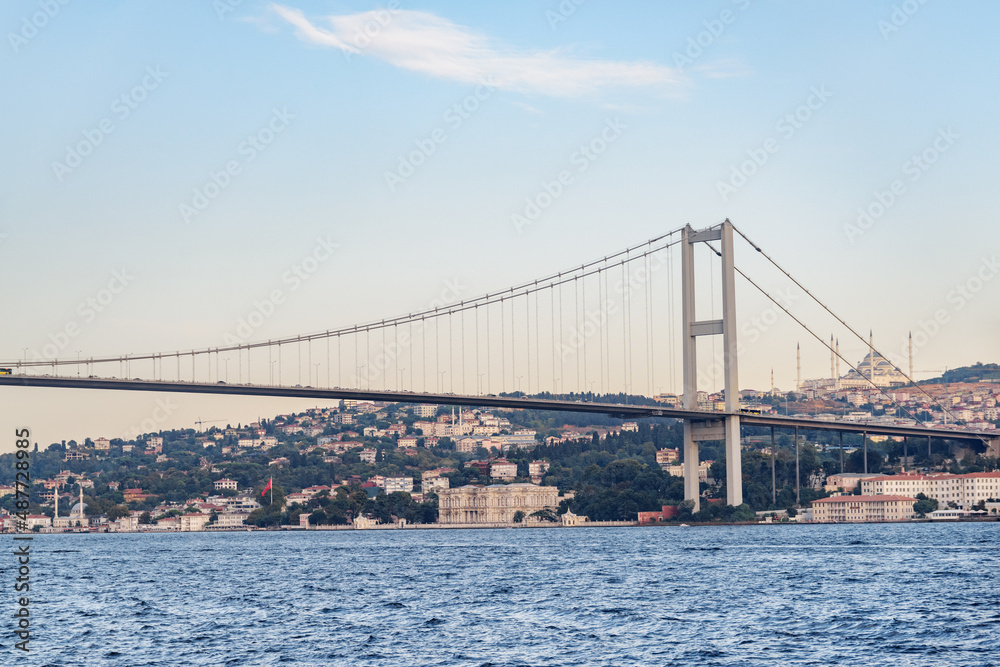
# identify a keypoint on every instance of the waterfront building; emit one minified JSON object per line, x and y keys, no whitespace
{"x":962,"y":490}
{"x":496,"y":503}
{"x":860,"y":509}
{"x":193,"y":522}
{"x":231,"y":520}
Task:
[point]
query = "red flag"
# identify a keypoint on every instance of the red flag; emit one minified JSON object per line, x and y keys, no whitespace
{"x":266,"y":488}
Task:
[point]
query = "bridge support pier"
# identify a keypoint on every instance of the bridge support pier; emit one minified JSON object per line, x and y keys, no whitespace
{"x":726,"y":427}
{"x":993,"y":447}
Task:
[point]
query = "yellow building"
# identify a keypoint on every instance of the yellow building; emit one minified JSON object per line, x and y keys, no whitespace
{"x":860,"y":509}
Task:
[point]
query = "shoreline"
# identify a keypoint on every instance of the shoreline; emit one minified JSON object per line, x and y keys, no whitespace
{"x":431,"y":526}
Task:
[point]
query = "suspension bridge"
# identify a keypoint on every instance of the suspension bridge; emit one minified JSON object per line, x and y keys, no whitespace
{"x":622,"y":326}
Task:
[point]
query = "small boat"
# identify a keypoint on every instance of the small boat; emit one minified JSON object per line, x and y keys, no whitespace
{"x":684,"y":525}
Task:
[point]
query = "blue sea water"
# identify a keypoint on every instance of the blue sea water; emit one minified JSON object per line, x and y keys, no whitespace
{"x":899,"y":594}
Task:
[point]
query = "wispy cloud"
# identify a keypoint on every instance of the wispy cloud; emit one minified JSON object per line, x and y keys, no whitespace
{"x":426,"y":43}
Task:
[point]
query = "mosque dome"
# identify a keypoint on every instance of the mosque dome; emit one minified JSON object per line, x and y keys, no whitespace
{"x":78,"y":508}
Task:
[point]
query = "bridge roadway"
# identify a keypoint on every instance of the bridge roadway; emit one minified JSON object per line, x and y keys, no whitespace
{"x":613,"y":409}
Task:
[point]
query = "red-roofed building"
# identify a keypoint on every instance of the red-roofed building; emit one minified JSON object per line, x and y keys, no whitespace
{"x":962,"y":490}
{"x":135,"y":494}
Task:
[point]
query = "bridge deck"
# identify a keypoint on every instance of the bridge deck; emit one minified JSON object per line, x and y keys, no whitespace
{"x":613,"y":409}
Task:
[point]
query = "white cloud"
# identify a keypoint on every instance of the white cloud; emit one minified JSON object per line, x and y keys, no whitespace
{"x":425,"y":43}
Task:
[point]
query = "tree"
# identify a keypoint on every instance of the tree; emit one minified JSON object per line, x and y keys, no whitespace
{"x":145,"y":518}
{"x":117,"y":512}
{"x":518,"y":516}
{"x":924,"y":507}
{"x":743,"y":513}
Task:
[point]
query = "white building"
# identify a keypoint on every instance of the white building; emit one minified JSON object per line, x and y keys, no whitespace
{"x":962,"y":490}
{"x":393,"y":484}
{"x":193,"y":522}
{"x":503,"y":469}
{"x":424,"y":410}
{"x":231,"y":520}
{"x":226,"y":483}
{"x":497,"y":503}
{"x":434,"y":484}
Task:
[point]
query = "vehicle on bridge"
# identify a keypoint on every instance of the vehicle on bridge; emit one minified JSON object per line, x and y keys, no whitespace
{"x":6,"y":371}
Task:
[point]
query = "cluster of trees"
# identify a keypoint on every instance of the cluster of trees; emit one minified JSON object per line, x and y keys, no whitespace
{"x":342,"y":505}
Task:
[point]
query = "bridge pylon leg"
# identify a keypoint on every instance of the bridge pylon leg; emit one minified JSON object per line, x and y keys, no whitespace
{"x":692,"y":484}
{"x":692,"y":328}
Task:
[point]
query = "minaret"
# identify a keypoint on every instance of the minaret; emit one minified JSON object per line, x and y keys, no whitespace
{"x":798,"y":368}
{"x":911,"y":356}
{"x":80,"y":515}
{"x":871,"y":356}
{"x":837,"y":373}
{"x":832,"y":359}
{"x":772,"y":382}
{"x":57,"y":504}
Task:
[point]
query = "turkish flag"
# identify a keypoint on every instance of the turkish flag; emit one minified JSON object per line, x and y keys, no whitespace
{"x":266,"y":488}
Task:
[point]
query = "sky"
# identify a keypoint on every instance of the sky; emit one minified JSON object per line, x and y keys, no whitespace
{"x":168,"y":166}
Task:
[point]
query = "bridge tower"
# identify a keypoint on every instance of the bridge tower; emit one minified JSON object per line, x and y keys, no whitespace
{"x":725,"y":427}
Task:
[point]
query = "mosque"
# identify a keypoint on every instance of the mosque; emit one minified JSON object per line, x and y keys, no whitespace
{"x":77,"y":515}
{"x":873,"y":369}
